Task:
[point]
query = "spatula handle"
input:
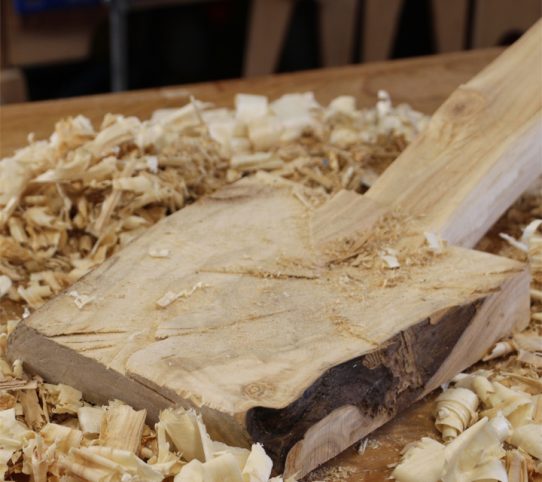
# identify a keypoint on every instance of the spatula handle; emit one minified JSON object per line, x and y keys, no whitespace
{"x":480,"y":152}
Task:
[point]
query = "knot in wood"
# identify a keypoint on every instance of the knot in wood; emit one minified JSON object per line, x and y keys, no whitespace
{"x":258,"y":390}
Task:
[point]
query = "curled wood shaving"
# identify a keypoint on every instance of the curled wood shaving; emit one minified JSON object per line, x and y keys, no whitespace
{"x":517,"y":463}
{"x":528,"y":437}
{"x":455,"y":411}
{"x":97,"y":463}
{"x":13,"y":437}
{"x":80,"y":300}
{"x":63,"y":398}
{"x":423,"y":460}
{"x":169,"y":297}
{"x":70,"y":202}
{"x":90,"y":419}
{"x":473,"y":455}
{"x":512,"y":388}
{"x":122,"y":427}
{"x":74,"y":200}
{"x":5,"y":285}
{"x":501,"y":348}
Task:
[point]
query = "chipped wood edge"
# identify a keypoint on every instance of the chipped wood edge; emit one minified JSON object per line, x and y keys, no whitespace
{"x":507,"y":309}
{"x":89,"y":376}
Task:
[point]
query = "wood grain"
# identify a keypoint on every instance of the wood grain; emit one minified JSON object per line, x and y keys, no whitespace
{"x":413,"y":81}
{"x":274,"y":346}
{"x":273,"y":329}
{"x":481,"y":150}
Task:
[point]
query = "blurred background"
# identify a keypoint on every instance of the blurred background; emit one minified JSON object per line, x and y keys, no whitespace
{"x":62,"y":48}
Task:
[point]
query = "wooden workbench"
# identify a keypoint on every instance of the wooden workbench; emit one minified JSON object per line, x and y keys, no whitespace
{"x":424,"y":83}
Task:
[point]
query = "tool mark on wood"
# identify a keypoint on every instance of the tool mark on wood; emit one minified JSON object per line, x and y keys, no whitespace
{"x":259,"y":273}
{"x":87,"y":333}
{"x":345,"y":327}
{"x":178,"y":332}
{"x":95,"y":348}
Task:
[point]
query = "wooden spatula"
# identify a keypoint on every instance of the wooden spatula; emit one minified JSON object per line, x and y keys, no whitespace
{"x":305,"y":325}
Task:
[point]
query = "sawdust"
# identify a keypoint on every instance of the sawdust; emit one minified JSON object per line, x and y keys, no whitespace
{"x":514,"y":363}
{"x":70,"y":202}
{"x":331,"y":474}
{"x":387,"y":257}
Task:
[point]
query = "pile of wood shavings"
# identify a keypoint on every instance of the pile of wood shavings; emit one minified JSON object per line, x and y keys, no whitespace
{"x":70,"y":202}
{"x":48,"y":433}
{"x":184,"y":153}
{"x":490,"y":420}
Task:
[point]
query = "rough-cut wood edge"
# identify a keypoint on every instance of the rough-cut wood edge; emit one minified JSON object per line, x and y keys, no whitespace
{"x":490,"y":317}
{"x":58,"y":364}
{"x":67,"y":366}
{"x":360,"y":395}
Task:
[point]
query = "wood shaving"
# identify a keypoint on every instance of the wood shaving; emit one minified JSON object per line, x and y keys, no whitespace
{"x":159,"y":252}
{"x":455,"y":411}
{"x":122,"y":427}
{"x":512,"y":386}
{"x":500,"y":348}
{"x":169,"y":297}
{"x":70,"y":202}
{"x":435,"y":242}
{"x":391,"y":261}
{"x":81,"y":300}
{"x":5,"y":285}
{"x":517,"y":464}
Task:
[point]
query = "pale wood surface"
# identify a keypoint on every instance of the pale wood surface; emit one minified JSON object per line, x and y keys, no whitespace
{"x":462,"y":170}
{"x":267,"y":337}
{"x":411,"y":80}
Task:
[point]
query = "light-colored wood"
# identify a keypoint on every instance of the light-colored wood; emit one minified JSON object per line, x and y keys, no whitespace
{"x":337,"y":27}
{"x":494,"y":19}
{"x":468,"y":135}
{"x":411,"y":80}
{"x":271,"y":318}
{"x":379,"y":27}
{"x":269,"y":20}
{"x":450,"y":24}
{"x":278,"y":334}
